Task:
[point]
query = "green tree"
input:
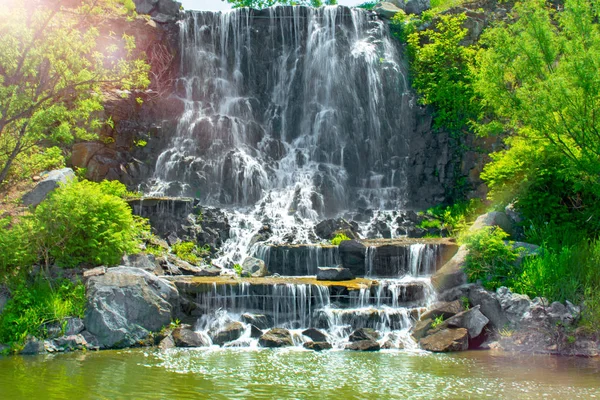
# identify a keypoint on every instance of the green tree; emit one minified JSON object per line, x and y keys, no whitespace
{"x":258,"y":4}
{"x":441,"y":71}
{"x":53,"y":68}
{"x":540,"y":77}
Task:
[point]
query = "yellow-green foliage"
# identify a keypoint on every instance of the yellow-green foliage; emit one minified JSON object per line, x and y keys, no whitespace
{"x":52,"y":73}
{"x":339,"y":238}
{"x":188,"y":251}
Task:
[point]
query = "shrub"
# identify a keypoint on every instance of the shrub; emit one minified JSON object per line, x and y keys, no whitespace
{"x":238,"y":269}
{"x":339,"y":238}
{"x":490,"y":259}
{"x":84,"y":222}
{"x":15,"y":248}
{"x":33,"y":306}
{"x":188,"y":251}
{"x":456,"y":217}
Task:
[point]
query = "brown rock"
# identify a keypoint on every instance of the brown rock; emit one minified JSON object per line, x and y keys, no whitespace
{"x":445,"y":309}
{"x":451,"y":274}
{"x":446,"y":340}
{"x":364,"y":345}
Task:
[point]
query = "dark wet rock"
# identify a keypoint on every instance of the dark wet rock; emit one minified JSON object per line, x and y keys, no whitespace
{"x":364,"y":334}
{"x":232,"y":331}
{"x":33,"y":346}
{"x":443,"y":309}
{"x":185,"y":337}
{"x":452,"y":273}
{"x":352,"y":256}
{"x":91,"y":339}
{"x":255,"y":332}
{"x":315,"y":334}
{"x":447,"y":340}
{"x":364,"y":345}
{"x":126,"y":304}
{"x":276,"y":337}
{"x":51,"y":181}
{"x":255,"y":267}
{"x":317,"y":346}
{"x":209,"y":271}
{"x":261,"y":321}
{"x":329,"y":228}
{"x":334,"y":274}
{"x":421,"y":328}
{"x":416,"y":6}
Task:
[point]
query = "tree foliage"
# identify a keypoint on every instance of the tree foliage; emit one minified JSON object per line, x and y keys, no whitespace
{"x":53,"y":68}
{"x":539,"y":77}
{"x":441,"y":70}
{"x":259,"y":4}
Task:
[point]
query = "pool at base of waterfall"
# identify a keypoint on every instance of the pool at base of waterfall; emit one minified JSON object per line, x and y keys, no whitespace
{"x":293,"y":373}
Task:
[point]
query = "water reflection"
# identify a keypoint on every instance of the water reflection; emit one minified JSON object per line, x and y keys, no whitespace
{"x":216,"y":374}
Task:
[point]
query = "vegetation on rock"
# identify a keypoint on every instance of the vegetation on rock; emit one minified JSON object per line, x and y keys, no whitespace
{"x":258,"y":4}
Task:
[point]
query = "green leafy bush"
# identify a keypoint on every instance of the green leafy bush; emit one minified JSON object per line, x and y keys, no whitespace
{"x":238,"y":269}
{"x":33,"y":305}
{"x":85,"y":222}
{"x":456,"y":217}
{"x":339,"y":238}
{"x":490,"y":260}
{"x":16,"y":249}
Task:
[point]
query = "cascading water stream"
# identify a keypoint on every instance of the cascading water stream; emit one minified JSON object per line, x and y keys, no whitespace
{"x":291,"y":114}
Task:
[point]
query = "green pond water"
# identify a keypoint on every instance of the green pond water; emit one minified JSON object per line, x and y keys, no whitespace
{"x":295,"y":374}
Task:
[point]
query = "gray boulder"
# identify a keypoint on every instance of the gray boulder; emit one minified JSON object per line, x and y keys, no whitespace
{"x":329,"y":228}
{"x":494,"y":218}
{"x":255,"y":267}
{"x":185,"y":337}
{"x":50,"y":182}
{"x":334,"y":274}
{"x":276,"y":337}
{"x":386,"y":10}
{"x":421,"y":328}
{"x":126,"y":304}
{"x":364,"y":345}
{"x":167,"y":343}
{"x":472,"y":320}
{"x":452,"y":273}
{"x":352,"y":256}
{"x":259,"y":320}
{"x":147,"y":262}
{"x":416,"y":6}
{"x":33,"y":346}
{"x":70,"y":343}
{"x":446,"y":340}
{"x":444,"y":309}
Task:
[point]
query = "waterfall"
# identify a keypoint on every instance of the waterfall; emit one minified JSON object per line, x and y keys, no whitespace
{"x":305,"y":109}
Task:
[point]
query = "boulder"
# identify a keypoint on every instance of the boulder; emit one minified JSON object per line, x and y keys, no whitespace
{"x":317,"y":346}
{"x":454,"y":339}
{"x":315,"y":334}
{"x":70,"y":343}
{"x":185,"y":337}
{"x":364,"y":345}
{"x":421,"y":328}
{"x":364,"y":334}
{"x":472,"y":320}
{"x":147,"y":262}
{"x":386,"y":10}
{"x":259,"y":320}
{"x":50,"y":182}
{"x":33,"y":346}
{"x":167,"y":343}
{"x":255,"y":267}
{"x":451,"y":274}
{"x":334,"y":274}
{"x":125,"y":304}
{"x":494,"y":218}
{"x":232,"y":331}
{"x":489,"y":306}
{"x":255,"y":333}
{"x":444,"y":309}
{"x":329,"y":228}
{"x":416,"y":6}
{"x":352,"y":255}
{"x":94,"y":272}
{"x":276,"y":337}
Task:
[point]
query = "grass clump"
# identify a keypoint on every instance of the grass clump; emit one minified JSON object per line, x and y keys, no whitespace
{"x":33,"y":305}
{"x":188,"y":251}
